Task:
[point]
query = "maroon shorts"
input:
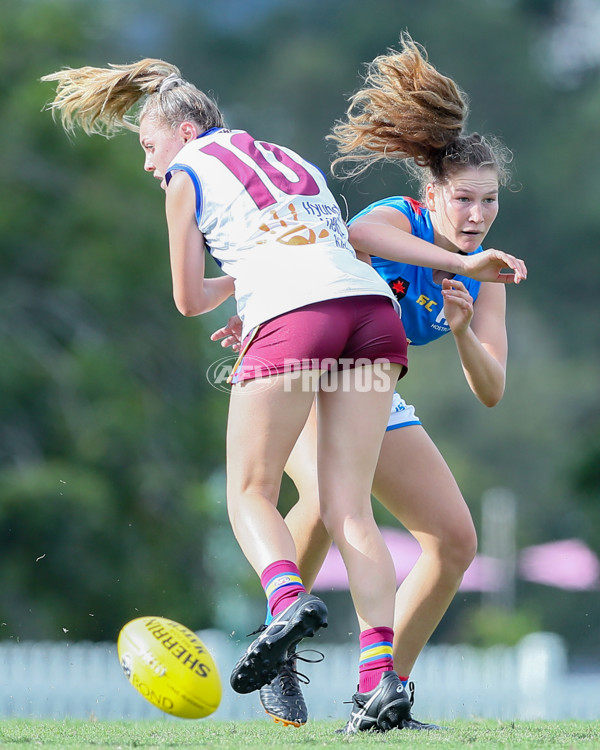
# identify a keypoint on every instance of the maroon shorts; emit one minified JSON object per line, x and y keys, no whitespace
{"x":350,"y":331}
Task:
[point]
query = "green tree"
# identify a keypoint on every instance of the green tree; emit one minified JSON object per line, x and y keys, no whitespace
{"x":110,"y":432}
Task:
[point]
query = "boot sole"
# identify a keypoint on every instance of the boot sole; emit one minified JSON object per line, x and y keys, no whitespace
{"x":261,"y":663}
{"x":286,"y":722}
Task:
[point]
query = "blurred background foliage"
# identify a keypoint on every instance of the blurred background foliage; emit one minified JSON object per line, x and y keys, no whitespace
{"x":112,"y":439}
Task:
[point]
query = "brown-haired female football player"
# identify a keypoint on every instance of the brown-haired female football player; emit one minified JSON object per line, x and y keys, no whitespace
{"x":428,"y":251}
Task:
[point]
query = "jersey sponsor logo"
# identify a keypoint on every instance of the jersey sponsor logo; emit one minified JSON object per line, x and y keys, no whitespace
{"x":441,"y":320}
{"x":400,"y":287}
{"x":440,"y":324}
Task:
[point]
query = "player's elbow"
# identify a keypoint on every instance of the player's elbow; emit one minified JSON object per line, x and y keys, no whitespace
{"x":188,"y":312}
{"x":492,"y":397}
{"x":490,"y":402}
{"x":190,"y":300}
{"x":360,"y":236}
{"x":187,"y":307}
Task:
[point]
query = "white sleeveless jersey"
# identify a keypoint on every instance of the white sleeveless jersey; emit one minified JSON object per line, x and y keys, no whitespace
{"x":272,"y":224}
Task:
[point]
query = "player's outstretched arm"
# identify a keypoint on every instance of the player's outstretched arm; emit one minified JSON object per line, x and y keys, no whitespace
{"x":386,"y":232}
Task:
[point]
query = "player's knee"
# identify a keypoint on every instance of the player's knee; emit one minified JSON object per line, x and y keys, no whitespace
{"x":330,"y":521}
{"x":458,"y":547}
{"x":245,"y":495}
{"x":339,"y":521}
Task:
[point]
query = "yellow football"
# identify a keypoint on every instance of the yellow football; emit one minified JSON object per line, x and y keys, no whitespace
{"x":170,"y":666}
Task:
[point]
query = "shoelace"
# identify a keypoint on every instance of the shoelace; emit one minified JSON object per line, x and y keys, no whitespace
{"x":258,"y":630}
{"x":289,"y":674}
{"x":289,"y":678}
{"x":288,"y":670}
{"x":411,"y":693}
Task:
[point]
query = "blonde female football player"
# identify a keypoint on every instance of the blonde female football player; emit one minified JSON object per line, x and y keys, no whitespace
{"x":426,"y":251}
{"x":267,"y":215}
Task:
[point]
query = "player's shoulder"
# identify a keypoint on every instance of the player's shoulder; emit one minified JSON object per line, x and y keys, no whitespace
{"x":397,"y":206}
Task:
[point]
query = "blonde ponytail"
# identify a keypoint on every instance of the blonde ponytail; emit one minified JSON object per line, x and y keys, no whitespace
{"x":99,"y":100}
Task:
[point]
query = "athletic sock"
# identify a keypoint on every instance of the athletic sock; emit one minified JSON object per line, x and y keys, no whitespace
{"x":282,"y":584}
{"x":375,"y":657}
{"x":404,"y":680}
{"x":268,"y":615}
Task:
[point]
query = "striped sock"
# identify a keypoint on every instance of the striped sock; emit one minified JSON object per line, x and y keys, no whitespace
{"x":375,"y":657}
{"x":268,"y":615}
{"x":404,"y":680}
{"x":282,"y":584}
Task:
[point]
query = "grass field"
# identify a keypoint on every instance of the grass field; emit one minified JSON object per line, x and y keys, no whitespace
{"x":254,"y":735}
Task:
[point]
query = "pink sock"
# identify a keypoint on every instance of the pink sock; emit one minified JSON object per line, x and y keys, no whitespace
{"x":375,"y":657}
{"x":282,"y":584}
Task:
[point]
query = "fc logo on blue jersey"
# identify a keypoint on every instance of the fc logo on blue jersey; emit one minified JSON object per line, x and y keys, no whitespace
{"x":400,"y":287}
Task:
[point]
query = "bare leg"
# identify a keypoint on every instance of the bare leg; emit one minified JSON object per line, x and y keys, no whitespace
{"x":351,"y":422}
{"x":263,"y":426}
{"x":304,"y":518}
{"x":415,"y":484}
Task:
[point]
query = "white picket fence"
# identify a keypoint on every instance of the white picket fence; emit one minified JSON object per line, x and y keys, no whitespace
{"x":529,"y":681}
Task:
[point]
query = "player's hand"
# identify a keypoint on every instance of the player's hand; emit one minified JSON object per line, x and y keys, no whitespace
{"x":230,"y":335}
{"x":458,"y":305}
{"x":494,"y":265}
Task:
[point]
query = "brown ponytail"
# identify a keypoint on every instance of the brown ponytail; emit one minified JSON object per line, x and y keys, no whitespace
{"x":409,"y":111}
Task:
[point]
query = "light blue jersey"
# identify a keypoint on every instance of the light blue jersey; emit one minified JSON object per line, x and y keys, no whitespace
{"x":420,"y":297}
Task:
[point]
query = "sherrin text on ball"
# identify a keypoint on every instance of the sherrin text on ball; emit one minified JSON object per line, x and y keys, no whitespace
{"x":170,"y":666}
